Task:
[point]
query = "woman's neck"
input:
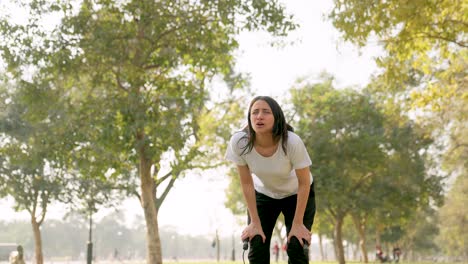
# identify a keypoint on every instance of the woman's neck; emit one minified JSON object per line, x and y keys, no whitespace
{"x":265,"y":140}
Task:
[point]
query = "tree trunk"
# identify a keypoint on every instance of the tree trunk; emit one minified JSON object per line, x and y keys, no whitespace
{"x":339,"y":239}
{"x":355,"y":253}
{"x":37,"y":240}
{"x":148,"y":203}
{"x":361,"y":228}
{"x":321,"y":247}
{"x":335,"y":252}
{"x":377,"y":238}
{"x":218,"y":247}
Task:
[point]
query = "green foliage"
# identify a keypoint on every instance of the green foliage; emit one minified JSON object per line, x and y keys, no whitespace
{"x":34,"y":151}
{"x":453,"y":220}
{"x":138,"y":69}
{"x":323,"y":225}
{"x":367,"y":160}
{"x":343,"y":133}
{"x":424,"y":72}
{"x":234,"y":198}
{"x":421,"y":232}
{"x":426,"y":57}
{"x":415,"y":31}
{"x":136,"y":75}
{"x":235,"y":116}
{"x":406,"y":24}
{"x":32,"y":148}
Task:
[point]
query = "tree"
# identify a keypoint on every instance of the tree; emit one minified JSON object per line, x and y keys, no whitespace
{"x":420,"y":234}
{"x":426,"y":37}
{"x":141,"y":70}
{"x":33,"y":151}
{"x":424,"y":64}
{"x":453,"y":220}
{"x":415,"y":164}
{"x":94,"y":185}
{"x":366,"y":160}
{"x":425,"y":61}
{"x":323,"y":227}
{"x":343,"y":132}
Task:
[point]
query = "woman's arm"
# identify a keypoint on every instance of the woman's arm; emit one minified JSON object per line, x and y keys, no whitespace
{"x":298,"y":229}
{"x":255,"y":226}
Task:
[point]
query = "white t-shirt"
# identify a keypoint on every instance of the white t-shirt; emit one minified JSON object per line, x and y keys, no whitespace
{"x":274,"y":176}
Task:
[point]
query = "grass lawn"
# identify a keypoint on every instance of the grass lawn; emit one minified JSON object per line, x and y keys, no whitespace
{"x":240,"y":262}
{"x":314,"y":262}
{"x":317,"y":262}
{"x":172,"y":261}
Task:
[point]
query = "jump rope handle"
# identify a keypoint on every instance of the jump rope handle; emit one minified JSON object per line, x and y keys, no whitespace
{"x":306,"y":248}
{"x":245,"y":244}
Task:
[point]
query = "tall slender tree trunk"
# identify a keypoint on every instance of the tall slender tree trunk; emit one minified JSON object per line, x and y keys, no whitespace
{"x":360,"y":225}
{"x":378,"y":243}
{"x":321,"y":247}
{"x":334,"y":244}
{"x":148,"y":203}
{"x":339,"y":238}
{"x":218,"y":247}
{"x":37,"y":240}
{"x":356,"y":252}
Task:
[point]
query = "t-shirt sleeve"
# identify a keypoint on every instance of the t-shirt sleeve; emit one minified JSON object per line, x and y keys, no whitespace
{"x":234,"y":149}
{"x":298,"y":153}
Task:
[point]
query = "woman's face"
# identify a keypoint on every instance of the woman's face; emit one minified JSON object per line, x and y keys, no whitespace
{"x":261,"y":117}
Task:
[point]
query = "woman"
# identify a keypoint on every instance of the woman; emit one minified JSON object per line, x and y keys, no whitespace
{"x":273,"y":166}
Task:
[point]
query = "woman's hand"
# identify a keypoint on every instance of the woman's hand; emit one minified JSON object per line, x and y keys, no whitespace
{"x":300,"y":232}
{"x":252,"y":230}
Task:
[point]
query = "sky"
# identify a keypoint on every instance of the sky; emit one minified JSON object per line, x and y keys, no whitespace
{"x":195,"y":206}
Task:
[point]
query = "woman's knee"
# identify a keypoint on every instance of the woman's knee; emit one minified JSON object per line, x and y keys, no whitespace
{"x":296,"y":251}
{"x":259,"y":252}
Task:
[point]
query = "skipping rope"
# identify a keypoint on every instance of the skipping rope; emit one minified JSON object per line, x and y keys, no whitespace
{"x":245,"y":246}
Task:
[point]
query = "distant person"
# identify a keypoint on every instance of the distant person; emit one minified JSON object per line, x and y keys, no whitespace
{"x":273,"y":166}
{"x":17,"y":257}
{"x":380,"y":255}
{"x":396,"y":254}
{"x":276,"y":251}
{"x":283,"y":250}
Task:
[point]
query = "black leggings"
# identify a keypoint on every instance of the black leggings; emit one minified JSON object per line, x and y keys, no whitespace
{"x":268,"y":212}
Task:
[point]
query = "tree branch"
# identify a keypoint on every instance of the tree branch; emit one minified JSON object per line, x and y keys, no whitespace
{"x":161,"y":199}
{"x":428,"y":35}
{"x":43,"y":213}
{"x":332,"y":212}
{"x":163,"y":178}
{"x":361,"y":181}
{"x":137,"y":194}
{"x":119,"y":83}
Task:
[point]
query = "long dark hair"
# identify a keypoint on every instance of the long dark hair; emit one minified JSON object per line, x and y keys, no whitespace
{"x":280,"y":127}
